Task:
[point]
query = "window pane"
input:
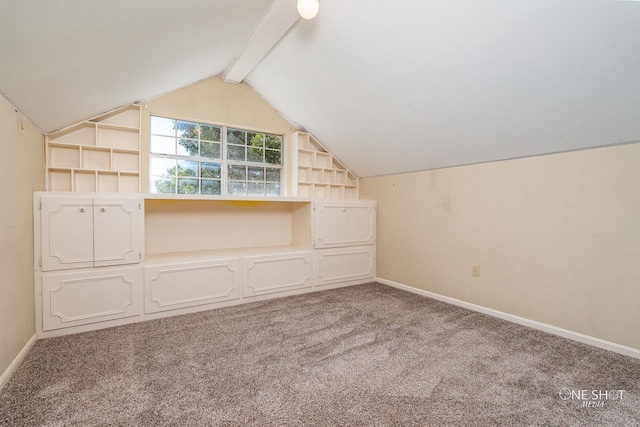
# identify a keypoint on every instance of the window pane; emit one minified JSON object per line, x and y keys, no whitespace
{"x":255,"y":155}
{"x":209,"y":133}
{"x":256,"y":173}
{"x":238,"y":188}
{"x":187,"y":186}
{"x":209,"y":186}
{"x":187,"y":147}
{"x":237,"y":173}
{"x":255,"y":139}
{"x":160,"y":166}
{"x":236,"y":136}
{"x":273,"y":157}
{"x":187,"y":129}
{"x":256,"y":189}
{"x":210,"y":149}
{"x":235,"y":152}
{"x":273,"y":141}
{"x":163,"y":145}
{"x":187,"y":168}
{"x":162,"y":126}
{"x":163,"y":185}
{"x":210,"y":170}
{"x":273,"y":190}
{"x":273,"y":175}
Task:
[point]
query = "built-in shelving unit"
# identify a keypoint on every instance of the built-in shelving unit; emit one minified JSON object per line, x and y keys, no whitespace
{"x":319,"y":174}
{"x":98,"y":155}
{"x":106,"y":259}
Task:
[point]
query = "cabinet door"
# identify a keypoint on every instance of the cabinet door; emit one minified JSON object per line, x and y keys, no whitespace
{"x":66,"y":231}
{"x":116,"y":231}
{"x":338,"y":224}
{"x":188,"y":284}
{"x":361,"y":225}
{"x":266,"y":274}
{"x":344,"y":264}
{"x":330,"y":225}
{"x":90,"y":296}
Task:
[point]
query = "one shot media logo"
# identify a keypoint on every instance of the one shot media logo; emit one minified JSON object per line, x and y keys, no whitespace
{"x":591,"y":398}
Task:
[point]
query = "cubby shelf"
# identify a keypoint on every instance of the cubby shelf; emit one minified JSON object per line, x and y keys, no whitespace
{"x":99,"y":155}
{"x":319,"y":174}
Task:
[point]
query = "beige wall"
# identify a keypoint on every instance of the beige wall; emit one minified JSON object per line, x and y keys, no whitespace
{"x":22,"y":173}
{"x":557,"y":237}
{"x":212,"y":101}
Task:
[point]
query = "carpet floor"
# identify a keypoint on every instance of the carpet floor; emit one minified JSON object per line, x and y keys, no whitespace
{"x":367,"y":355}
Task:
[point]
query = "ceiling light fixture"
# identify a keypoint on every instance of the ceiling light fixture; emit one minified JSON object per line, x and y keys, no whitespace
{"x":308,"y":9}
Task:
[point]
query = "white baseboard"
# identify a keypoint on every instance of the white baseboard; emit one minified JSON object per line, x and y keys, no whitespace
{"x":565,"y":333}
{"x":16,"y":362}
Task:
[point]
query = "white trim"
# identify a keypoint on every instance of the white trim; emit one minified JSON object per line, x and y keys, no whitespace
{"x":565,"y":333}
{"x":16,"y":362}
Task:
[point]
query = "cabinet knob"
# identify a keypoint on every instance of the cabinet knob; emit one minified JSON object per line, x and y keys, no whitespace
{"x":344,"y":209}
{"x":82,"y":210}
{"x":103,"y":210}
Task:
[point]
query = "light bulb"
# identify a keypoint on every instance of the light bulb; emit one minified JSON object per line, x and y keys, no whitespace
{"x":308,"y":9}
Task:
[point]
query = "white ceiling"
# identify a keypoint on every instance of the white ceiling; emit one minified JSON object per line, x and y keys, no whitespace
{"x":387,"y":86}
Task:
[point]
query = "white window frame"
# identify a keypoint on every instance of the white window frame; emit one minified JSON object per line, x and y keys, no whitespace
{"x":223,"y":161}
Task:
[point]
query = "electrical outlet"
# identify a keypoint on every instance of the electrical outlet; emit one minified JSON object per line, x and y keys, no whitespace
{"x":475,"y":270}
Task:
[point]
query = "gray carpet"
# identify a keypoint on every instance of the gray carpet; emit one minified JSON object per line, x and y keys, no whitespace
{"x":366,"y":355}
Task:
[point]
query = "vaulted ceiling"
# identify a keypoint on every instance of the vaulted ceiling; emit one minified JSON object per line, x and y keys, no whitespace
{"x":387,"y":86}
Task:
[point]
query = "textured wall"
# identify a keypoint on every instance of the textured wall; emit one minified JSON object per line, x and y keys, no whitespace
{"x":22,"y":172}
{"x":557,"y":237}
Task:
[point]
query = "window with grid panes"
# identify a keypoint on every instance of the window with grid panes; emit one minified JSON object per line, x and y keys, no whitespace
{"x":197,"y":158}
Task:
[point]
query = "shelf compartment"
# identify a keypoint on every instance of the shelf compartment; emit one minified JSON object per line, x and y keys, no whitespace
{"x":129,"y":183}
{"x":60,"y":179}
{"x":321,"y":191}
{"x":351,"y":192}
{"x":306,"y":159}
{"x":84,"y":181}
{"x":324,"y":160}
{"x":108,"y":182}
{"x":337,"y":192}
{"x":304,"y":174}
{"x":126,"y":161}
{"x":62,"y":156}
{"x":96,"y":158}
{"x":81,"y":134}
{"x":127,"y":139}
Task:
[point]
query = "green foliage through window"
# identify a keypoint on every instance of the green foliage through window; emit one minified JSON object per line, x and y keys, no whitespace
{"x":186,"y":158}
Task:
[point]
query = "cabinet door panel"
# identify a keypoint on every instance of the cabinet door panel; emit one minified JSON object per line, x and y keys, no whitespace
{"x":116,"y":231}
{"x":330,"y":225}
{"x":344,"y":265}
{"x":276,"y":273}
{"x":339,"y":224}
{"x":66,"y":233}
{"x":361,"y":224}
{"x":78,"y":298}
{"x":188,"y":284}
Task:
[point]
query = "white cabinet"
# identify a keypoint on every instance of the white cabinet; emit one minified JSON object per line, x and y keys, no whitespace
{"x":79,"y":232}
{"x":344,"y":264}
{"x":171,"y":286}
{"x":265,"y":274}
{"x":339,"y":224}
{"x":89,"y":296}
